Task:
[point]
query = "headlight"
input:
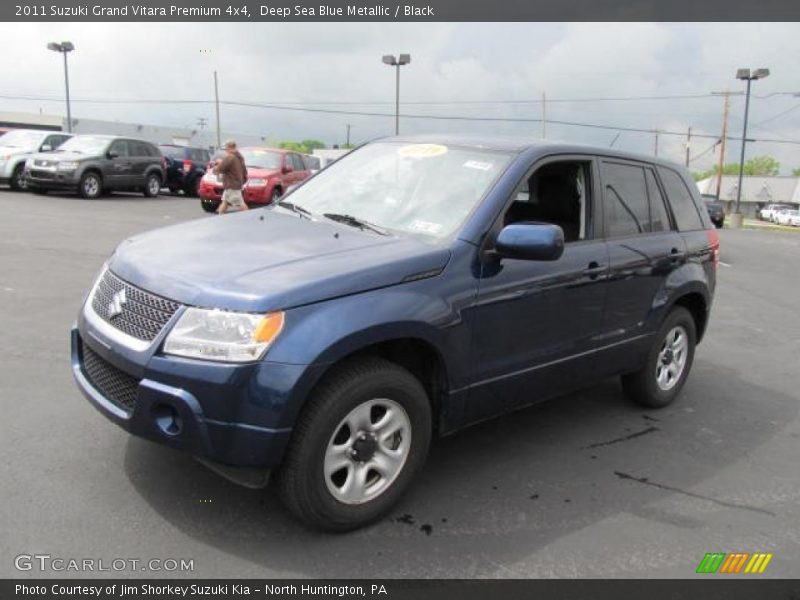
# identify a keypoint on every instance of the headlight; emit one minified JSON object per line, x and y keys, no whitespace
{"x":256,"y":182}
{"x":67,"y":165}
{"x":222,"y":335}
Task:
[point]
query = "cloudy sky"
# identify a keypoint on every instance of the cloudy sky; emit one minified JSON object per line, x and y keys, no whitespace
{"x":458,"y":69}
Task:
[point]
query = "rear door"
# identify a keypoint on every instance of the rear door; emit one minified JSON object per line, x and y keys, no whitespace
{"x":140,"y":159}
{"x":644,"y":249}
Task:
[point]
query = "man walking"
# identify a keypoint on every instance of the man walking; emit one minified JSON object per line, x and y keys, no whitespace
{"x":234,"y":173}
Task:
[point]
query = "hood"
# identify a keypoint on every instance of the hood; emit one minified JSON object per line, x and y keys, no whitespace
{"x":268,"y":259}
{"x":6,"y":150}
{"x":61,"y":155}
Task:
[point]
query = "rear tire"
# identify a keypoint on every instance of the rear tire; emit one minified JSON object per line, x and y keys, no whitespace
{"x":359,"y":442}
{"x":152,"y":185}
{"x":669,"y":361}
{"x":91,"y":186}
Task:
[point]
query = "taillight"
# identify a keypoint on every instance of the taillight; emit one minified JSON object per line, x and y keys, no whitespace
{"x":713,"y":237}
{"x":187,"y":166}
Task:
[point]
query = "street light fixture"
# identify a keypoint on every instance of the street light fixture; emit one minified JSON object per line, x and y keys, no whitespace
{"x":64,"y":48}
{"x":398,"y":62}
{"x":749,"y":76}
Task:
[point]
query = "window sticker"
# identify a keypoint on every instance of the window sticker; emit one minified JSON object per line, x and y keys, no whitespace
{"x":476,"y":164}
{"x":426,"y":226}
{"x":422,"y":150}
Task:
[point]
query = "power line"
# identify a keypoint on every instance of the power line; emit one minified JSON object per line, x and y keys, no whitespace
{"x":780,"y":114}
{"x":305,"y":109}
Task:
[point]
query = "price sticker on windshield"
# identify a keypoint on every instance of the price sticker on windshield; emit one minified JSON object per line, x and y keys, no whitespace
{"x":422,"y":150}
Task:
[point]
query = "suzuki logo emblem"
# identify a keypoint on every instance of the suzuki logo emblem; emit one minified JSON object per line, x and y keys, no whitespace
{"x":115,"y":306}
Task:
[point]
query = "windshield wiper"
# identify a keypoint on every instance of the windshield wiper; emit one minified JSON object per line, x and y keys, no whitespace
{"x":355,"y":222}
{"x":296,"y":208}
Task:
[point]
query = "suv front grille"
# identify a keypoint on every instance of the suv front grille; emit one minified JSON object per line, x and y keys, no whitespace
{"x":142,"y":314}
{"x":115,"y":385}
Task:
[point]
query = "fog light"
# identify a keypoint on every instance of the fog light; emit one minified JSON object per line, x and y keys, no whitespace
{"x":167,"y":419}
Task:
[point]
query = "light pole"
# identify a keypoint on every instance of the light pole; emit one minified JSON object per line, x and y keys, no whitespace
{"x":398,"y":62}
{"x":748,"y":76}
{"x":64,"y":48}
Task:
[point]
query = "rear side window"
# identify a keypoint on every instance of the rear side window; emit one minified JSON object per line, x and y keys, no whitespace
{"x":625,"y":203}
{"x":659,"y":218}
{"x":138,"y":148}
{"x":686,"y":214}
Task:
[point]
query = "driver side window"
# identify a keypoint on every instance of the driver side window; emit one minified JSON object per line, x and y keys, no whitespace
{"x":120,"y":147}
{"x":556,"y":193}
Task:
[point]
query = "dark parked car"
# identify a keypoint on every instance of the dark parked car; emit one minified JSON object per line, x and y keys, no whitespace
{"x":185,"y":167}
{"x":411,"y":288}
{"x":716,"y":210}
{"x":94,"y":164}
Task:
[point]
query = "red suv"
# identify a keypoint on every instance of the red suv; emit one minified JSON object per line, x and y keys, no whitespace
{"x":270,"y":172}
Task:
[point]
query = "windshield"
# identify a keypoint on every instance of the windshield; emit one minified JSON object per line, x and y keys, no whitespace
{"x":425,"y":189}
{"x":261,"y":159}
{"x":176,"y":152}
{"x":27,"y":140}
{"x":85,"y":144}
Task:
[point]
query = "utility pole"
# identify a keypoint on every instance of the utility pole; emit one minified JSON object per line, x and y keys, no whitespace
{"x":216,"y":102}
{"x":544,"y":116}
{"x":688,"y":144}
{"x":348,"y":135}
{"x":656,"y":132}
{"x":724,"y":137}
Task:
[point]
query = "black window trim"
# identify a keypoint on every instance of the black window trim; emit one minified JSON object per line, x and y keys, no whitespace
{"x":592,"y":182}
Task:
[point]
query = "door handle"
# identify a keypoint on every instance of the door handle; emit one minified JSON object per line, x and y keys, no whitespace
{"x":594,"y":269}
{"x":676,"y":255}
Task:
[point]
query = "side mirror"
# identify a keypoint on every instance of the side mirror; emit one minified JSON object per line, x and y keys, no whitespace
{"x":112,"y":154}
{"x":287,"y":169}
{"x":46,"y":148}
{"x":530,"y":241}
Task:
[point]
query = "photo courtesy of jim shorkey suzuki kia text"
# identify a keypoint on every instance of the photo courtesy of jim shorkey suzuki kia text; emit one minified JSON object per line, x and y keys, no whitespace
{"x":235,"y":10}
{"x":126,"y":590}
{"x":299,"y":295}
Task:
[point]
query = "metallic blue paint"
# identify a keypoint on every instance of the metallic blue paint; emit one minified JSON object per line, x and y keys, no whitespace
{"x":506,"y":332}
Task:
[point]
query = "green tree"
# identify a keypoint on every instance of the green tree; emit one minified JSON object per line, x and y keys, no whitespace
{"x":796,"y":172}
{"x":757,"y":166}
{"x":306,"y":146}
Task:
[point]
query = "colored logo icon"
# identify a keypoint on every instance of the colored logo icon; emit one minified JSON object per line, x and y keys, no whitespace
{"x":733,"y":563}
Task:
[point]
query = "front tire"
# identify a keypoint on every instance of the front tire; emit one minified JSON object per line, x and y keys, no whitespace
{"x":91,"y":185}
{"x":208,"y":205}
{"x":19,"y":182}
{"x":669,"y":361}
{"x":152,"y":185}
{"x":358,"y":444}
{"x":276,"y":195}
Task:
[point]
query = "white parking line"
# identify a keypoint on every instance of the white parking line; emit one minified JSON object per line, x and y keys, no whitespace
{"x":724,"y":264}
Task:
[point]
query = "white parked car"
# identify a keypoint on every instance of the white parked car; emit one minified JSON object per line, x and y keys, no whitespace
{"x":17,"y":145}
{"x":779,"y":214}
{"x":769,"y":211}
{"x":788,"y":217}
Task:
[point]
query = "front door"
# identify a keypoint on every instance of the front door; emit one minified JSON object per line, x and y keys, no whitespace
{"x":534,"y":322}
{"x":118,"y":174}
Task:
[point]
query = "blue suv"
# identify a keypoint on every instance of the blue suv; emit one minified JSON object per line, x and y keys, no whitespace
{"x":414,"y":287}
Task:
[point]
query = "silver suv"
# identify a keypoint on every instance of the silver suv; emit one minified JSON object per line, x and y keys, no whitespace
{"x":17,"y":145}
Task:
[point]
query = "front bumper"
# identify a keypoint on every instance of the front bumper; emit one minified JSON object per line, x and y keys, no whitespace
{"x":52,"y":180}
{"x":257,"y":195}
{"x":228,"y":414}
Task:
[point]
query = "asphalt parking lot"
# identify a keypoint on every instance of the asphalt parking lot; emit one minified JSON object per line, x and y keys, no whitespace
{"x":583,"y":486}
